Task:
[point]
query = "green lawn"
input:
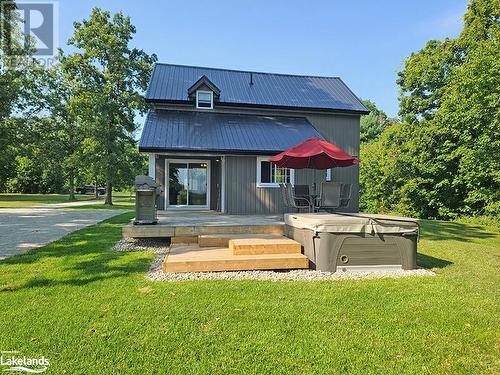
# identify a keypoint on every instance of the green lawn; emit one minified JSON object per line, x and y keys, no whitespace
{"x":118,"y":203}
{"x":90,"y":311}
{"x":24,"y":200}
{"x":120,"y":200}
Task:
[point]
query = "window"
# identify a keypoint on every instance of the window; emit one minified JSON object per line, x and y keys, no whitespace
{"x":270,"y":175}
{"x":328,"y":176}
{"x":204,"y":99}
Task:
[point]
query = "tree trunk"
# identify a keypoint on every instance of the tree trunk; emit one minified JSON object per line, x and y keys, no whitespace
{"x":96,"y":192}
{"x":109,"y":189}
{"x":109,"y":166}
{"x":71,"y":186}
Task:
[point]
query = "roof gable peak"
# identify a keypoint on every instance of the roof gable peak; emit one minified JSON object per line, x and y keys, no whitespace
{"x":204,"y":81}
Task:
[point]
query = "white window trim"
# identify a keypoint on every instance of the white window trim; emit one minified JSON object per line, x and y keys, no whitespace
{"x":223,"y":184}
{"x":167,"y":180}
{"x":270,"y":184}
{"x":152,"y":166}
{"x":211,"y":99}
{"x":328,"y":176}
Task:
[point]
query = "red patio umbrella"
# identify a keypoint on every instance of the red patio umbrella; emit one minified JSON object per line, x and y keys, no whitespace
{"x":314,"y":153}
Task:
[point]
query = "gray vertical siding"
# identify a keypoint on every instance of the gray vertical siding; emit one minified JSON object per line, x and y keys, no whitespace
{"x":242,"y":194}
{"x":160,"y":178}
{"x":244,"y":197}
{"x":215,"y":182}
{"x":343,"y":130}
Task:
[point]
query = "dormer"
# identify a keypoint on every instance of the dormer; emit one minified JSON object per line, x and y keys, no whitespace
{"x":204,"y":92}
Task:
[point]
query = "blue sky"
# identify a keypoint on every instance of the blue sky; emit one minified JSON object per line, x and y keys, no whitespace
{"x":363,"y":42}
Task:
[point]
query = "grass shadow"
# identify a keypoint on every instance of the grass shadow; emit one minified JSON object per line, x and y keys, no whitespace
{"x":80,"y":258}
{"x":436,"y":230}
{"x":427,"y":261}
{"x":15,"y":200}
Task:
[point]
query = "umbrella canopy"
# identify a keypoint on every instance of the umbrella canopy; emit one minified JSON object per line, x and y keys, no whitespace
{"x":314,"y":153}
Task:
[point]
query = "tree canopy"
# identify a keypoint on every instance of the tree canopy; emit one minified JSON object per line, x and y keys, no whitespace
{"x":372,"y":124}
{"x":444,"y":160}
{"x":75,"y":121}
{"x":110,"y":78}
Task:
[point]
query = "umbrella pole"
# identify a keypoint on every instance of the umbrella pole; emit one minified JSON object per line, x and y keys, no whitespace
{"x":314,"y":179}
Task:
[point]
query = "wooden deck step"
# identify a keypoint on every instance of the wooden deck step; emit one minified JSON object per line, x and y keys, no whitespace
{"x":222,"y":240}
{"x":256,"y":246}
{"x":164,"y":229}
{"x":183,"y":239}
{"x":192,"y":258}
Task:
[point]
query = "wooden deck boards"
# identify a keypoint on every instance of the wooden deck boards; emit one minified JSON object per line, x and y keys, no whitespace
{"x":222,"y":240}
{"x":225,"y":242}
{"x":256,"y":246}
{"x":192,"y":258}
{"x":185,"y":225}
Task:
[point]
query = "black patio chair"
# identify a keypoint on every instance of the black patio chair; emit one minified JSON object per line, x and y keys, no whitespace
{"x":329,"y":196}
{"x":284,"y":195}
{"x":301,"y":190}
{"x":294,"y":201}
{"x":333,"y":196}
{"x":345,"y":195}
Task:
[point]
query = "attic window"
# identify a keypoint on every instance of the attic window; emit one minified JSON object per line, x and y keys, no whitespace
{"x":204,"y":99}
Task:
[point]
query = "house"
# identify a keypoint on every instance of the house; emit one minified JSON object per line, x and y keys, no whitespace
{"x":211,"y":133}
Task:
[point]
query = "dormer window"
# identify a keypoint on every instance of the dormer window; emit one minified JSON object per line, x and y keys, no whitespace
{"x":204,"y":99}
{"x":204,"y":93}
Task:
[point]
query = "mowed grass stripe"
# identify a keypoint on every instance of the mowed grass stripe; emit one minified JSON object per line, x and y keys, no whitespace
{"x":90,"y":311}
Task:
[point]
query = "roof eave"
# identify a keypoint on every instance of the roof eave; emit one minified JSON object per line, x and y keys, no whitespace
{"x":264,"y":106}
{"x":208,"y":151}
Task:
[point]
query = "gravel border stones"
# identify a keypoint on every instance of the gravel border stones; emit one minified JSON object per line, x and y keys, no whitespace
{"x":156,"y":246}
{"x":161,"y":248}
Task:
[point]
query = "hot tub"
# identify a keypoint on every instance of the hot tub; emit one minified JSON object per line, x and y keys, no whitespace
{"x":355,"y":242}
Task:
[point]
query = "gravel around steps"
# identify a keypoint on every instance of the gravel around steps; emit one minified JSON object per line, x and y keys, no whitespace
{"x":161,"y":249}
{"x":131,"y":244}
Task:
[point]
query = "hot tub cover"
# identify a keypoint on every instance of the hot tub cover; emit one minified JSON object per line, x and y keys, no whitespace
{"x":352,"y":223}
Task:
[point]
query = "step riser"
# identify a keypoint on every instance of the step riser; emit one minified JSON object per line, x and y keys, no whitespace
{"x":213,"y":242}
{"x":183,"y":240}
{"x":261,"y":246}
{"x":237,"y":229}
{"x":236,"y":265}
{"x":163,"y":230}
{"x":222,"y":240}
{"x":264,"y":249}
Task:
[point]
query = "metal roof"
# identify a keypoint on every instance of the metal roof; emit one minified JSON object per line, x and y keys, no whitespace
{"x":190,"y":131}
{"x":170,"y":83}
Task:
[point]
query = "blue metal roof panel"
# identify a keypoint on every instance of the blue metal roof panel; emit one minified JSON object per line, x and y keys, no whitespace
{"x":218,"y":132}
{"x":171,"y":83}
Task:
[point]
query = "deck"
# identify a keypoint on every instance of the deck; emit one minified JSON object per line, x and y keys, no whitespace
{"x":209,"y":242}
{"x":193,"y":223}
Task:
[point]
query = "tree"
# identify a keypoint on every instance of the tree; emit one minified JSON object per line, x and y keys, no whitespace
{"x":37,"y":162}
{"x":58,"y":98}
{"x":468,"y":120}
{"x":10,"y":76}
{"x":445,"y":162}
{"x":423,"y":79}
{"x":109,"y":77}
{"x":372,"y":124}
{"x":11,"y":83}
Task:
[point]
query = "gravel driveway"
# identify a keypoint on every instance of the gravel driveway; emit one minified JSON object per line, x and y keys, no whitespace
{"x":27,"y":228}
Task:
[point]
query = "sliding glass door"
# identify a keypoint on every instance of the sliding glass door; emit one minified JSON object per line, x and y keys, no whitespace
{"x":188,"y":182}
